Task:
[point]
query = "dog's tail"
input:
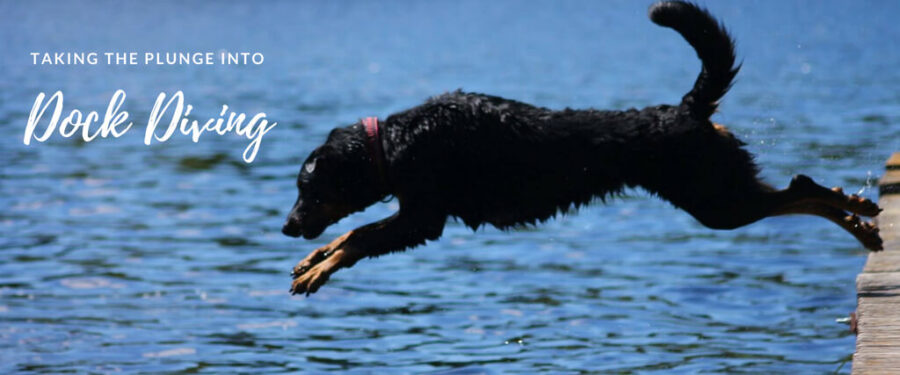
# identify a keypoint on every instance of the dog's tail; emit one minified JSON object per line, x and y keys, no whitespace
{"x":714,"y":47}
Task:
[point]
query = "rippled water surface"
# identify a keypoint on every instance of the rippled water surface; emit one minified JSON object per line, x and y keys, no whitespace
{"x":116,"y":256}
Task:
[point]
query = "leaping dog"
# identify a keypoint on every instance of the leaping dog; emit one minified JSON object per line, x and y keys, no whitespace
{"x":489,"y":160}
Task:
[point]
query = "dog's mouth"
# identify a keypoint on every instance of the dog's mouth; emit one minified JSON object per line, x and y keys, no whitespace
{"x":291,"y":230}
{"x":306,"y":229}
{"x":312,"y":232}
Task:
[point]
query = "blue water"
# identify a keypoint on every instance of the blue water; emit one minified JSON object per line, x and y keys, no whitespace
{"x":116,"y":256}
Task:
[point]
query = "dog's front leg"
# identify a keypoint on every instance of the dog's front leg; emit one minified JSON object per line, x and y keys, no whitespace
{"x":396,"y":233}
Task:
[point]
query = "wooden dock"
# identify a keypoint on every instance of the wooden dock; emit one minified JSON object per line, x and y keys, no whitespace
{"x":877,"y":320}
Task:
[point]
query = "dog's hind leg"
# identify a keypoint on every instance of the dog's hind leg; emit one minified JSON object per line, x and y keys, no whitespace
{"x":803,"y":196}
{"x":398,"y":232}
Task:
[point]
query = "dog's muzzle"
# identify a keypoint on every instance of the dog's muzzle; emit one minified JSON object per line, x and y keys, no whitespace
{"x":291,"y":228}
{"x":295,"y":227}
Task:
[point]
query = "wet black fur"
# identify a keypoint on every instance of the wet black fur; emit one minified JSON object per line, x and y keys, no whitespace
{"x":489,"y":160}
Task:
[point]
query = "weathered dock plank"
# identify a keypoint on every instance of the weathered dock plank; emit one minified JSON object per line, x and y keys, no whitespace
{"x":878,"y":287}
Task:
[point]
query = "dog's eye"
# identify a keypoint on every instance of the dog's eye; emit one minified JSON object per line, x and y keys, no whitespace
{"x":311,"y":166}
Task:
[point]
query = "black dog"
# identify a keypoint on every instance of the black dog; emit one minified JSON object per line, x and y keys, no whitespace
{"x":485,"y":159}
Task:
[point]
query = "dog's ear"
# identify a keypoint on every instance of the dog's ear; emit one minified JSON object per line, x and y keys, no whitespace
{"x":332,"y":134}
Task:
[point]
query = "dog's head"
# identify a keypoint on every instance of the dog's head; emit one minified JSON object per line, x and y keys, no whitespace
{"x":337,"y":179}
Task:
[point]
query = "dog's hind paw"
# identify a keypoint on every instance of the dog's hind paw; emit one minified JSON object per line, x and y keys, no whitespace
{"x":863,"y":206}
{"x":866,"y":232}
{"x":857,"y":204}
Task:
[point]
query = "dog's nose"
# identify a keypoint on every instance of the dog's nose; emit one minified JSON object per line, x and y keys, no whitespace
{"x":291,"y":228}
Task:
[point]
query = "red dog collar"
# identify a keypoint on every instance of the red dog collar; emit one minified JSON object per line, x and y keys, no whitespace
{"x":376,"y":150}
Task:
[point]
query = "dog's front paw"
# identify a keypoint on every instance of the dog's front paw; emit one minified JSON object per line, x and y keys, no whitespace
{"x":318,"y":255}
{"x":314,"y":258}
{"x":314,"y":270}
{"x":310,"y":279}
